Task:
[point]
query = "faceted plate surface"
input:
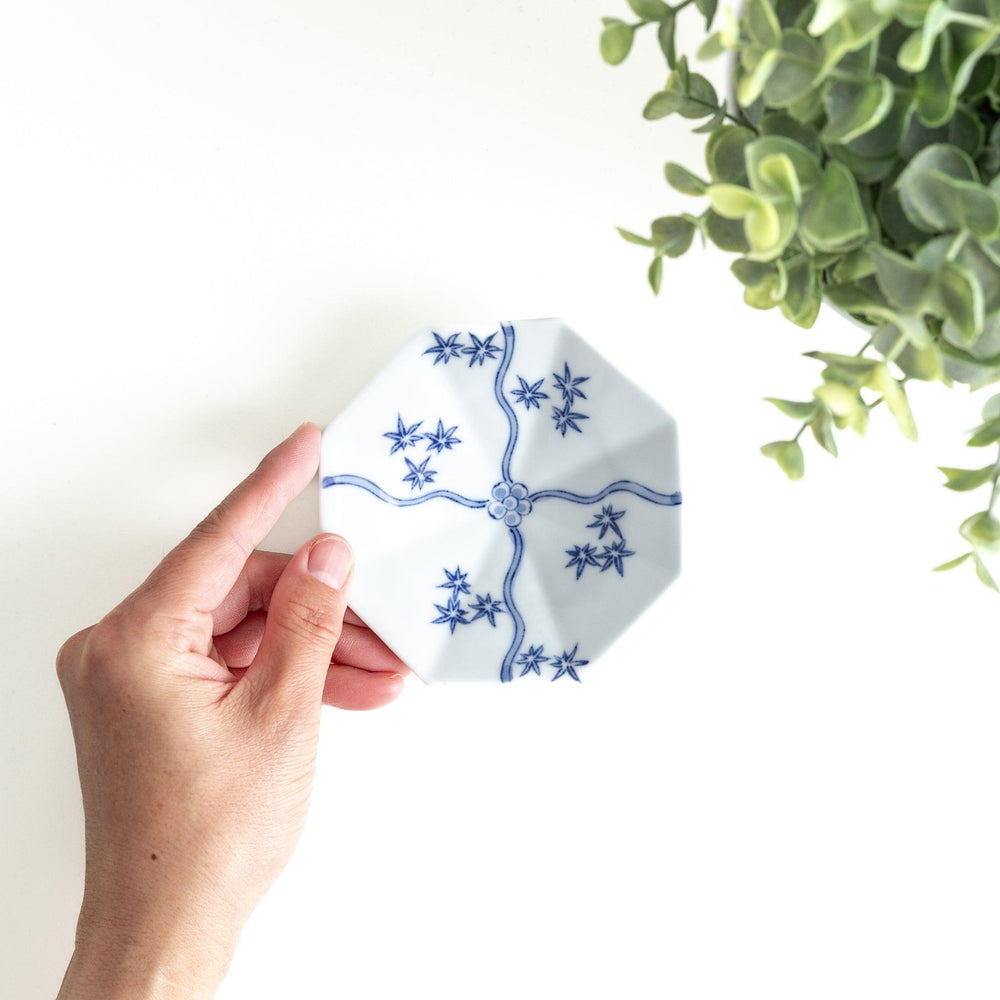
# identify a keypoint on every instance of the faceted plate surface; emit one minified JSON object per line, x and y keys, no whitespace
{"x":513,"y":502}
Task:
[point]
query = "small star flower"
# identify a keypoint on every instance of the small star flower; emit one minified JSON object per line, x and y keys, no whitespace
{"x":480,"y":350}
{"x":567,"y":664}
{"x":452,"y":615}
{"x":442,"y":439}
{"x":403,"y":437}
{"x":419,"y":475}
{"x":581,"y":556}
{"x":613,"y":555}
{"x":529,"y":394}
{"x":567,"y":385}
{"x":445,"y":350}
{"x":488,"y":608}
{"x":532,"y":660}
{"x":608,"y":518}
{"x":457,"y":582}
{"x":566,"y":419}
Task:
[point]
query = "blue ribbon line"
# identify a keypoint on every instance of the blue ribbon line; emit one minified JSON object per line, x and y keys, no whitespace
{"x":620,"y":486}
{"x":508,"y":352}
{"x":507,"y":669}
{"x":377,"y":491}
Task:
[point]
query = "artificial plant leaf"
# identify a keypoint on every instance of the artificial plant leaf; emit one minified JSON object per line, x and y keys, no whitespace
{"x":711,"y":124}
{"x":650,"y":10}
{"x":796,"y":70}
{"x":663,"y":103}
{"x":952,"y":563}
{"x":904,"y":283}
{"x":985,"y":434}
{"x":775,"y":178}
{"x":764,"y":283}
{"x":991,"y":408}
{"x":788,"y":455}
{"x":724,"y":154}
{"x":805,"y":164}
{"x":798,"y":411}
{"x":935,"y":97}
{"x":781,"y":125}
{"x":750,"y":82}
{"x":855,"y":28}
{"x":961,"y":299}
{"x":681,"y":179}
{"x":982,"y":531}
{"x":832,"y":217}
{"x":655,"y":274}
{"x":712,"y":47}
{"x":635,"y":238}
{"x":854,"y":108}
{"x":707,"y":9}
{"x":666,"y":36}
{"x":673,"y":234}
{"x":915,"y":52}
{"x":762,"y":23}
{"x":701,"y":98}
{"x":726,"y":234}
{"x":983,"y":573}
{"x":616,"y":41}
{"x":802,"y":299}
{"x":894,"y":397}
{"x":962,"y":480}
{"x":822,"y":430}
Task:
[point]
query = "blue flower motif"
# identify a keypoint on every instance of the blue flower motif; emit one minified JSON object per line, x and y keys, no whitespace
{"x":419,"y":475}
{"x":452,"y":615}
{"x":441,"y":439}
{"x":529,"y":394}
{"x":567,"y":385}
{"x":457,"y":582}
{"x":445,"y":349}
{"x":510,"y":503}
{"x":403,"y":437}
{"x":531,"y":660}
{"x":486,"y":607}
{"x":480,"y":350}
{"x":566,"y":419}
{"x":613,"y":555}
{"x":608,"y":518}
{"x":581,"y":556}
{"x":566,"y":663}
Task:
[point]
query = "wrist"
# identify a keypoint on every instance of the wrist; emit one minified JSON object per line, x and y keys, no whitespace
{"x":141,"y":964}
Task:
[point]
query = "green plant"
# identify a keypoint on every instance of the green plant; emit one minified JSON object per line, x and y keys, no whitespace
{"x":858,"y":162}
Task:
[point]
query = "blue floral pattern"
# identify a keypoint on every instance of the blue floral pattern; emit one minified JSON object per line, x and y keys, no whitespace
{"x":509,"y":502}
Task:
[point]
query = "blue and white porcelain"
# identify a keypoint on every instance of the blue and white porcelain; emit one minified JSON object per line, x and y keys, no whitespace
{"x":513,"y":502}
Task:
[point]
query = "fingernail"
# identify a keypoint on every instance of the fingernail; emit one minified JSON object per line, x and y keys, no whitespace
{"x":330,"y":560}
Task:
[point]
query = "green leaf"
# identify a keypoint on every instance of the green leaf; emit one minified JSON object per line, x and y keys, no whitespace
{"x":616,"y":41}
{"x":707,"y":10}
{"x":832,"y":217}
{"x":915,"y":52}
{"x":904,"y":283}
{"x":822,"y":429}
{"x":985,"y":434}
{"x":983,"y":573}
{"x":635,"y":238}
{"x":681,"y":179}
{"x":665,"y":35}
{"x":762,"y":23}
{"x":799,"y":411}
{"x":991,"y":408}
{"x":673,"y":234}
{"x":751,"y":84}
{"x":663,"y":103}
{"x":650,"y":10}
{"x":724,"y":154}
{"x":726,"y":234}
{"x":894,"y":397}
{"x":764,"y":283}
{"x":982,"y":531}
{"x":796,"y":71}
{"x":952,"y":563}
{"x":788,"y":455}
{"x":962,"y":480}
{"x":768,"y":228}
{"x":854,"y":108}
{"x":774,"y":177}
{"x":802,"y":298}
{"x":655,"y":274}
{"x":702,"y":98}
{"x":712,"y":47}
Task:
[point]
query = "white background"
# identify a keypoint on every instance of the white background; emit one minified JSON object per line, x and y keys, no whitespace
{"x":219,"y":220}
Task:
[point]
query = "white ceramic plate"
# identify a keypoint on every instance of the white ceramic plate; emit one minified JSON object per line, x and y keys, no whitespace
{"x":513,"y":501}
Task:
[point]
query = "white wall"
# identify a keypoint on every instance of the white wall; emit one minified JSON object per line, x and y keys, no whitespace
{"x":218,"y":220}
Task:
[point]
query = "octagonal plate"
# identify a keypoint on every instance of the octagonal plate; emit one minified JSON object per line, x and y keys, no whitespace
{"x":513,"y":502}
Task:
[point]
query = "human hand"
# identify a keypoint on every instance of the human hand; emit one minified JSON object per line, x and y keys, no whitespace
{"x":195,"y":707}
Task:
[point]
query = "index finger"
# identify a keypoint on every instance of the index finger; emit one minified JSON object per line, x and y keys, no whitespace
{"x":199,"y":573}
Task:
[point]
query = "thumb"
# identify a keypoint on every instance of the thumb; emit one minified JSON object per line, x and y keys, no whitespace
{"x":304,"y":621}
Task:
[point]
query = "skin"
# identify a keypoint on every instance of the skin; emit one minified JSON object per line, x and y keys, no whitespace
{"x":195,"y":706}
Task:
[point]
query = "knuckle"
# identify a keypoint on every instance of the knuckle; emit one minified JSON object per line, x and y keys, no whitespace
{"x":311,"y":622}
